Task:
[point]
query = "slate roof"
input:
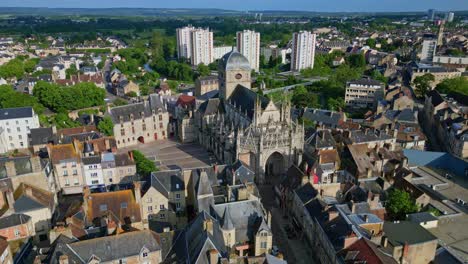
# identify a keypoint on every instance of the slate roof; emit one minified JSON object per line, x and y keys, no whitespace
{"x":193,"y":242}
{"x":322,"y":139}
{"x":246,"y":216}
{"x":403,"y":232}
{"x":14,"y":113}
{"x":245,"y":99}
{"x":360,"y":136}
{"x":91,"y":160}
{"x":243,"y":172}
{"x":42,"y":135}
{"x":306,"y":193}
{"x":325,"y":117}
{"x":234,"y":61}
{"x":421,"y":217}
{"x":117,"y":247}
{"x":13,"y":220}
{"x":166,"y":182}
{"x":436,"y":98}
{"x":136,"y":109}
{"x":209,"y":107}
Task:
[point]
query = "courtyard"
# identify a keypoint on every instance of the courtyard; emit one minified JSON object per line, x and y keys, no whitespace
{"x":169,"y":154}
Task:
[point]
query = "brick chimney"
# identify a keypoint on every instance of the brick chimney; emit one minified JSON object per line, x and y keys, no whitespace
{"x":10,"y":198}
{"x":213,"y":256}
{"x":137,"y":190}
{"x":107,"y":143}
{"x":130,"y":153}
{"x":405,"y":252}
{"x":63,"y":259}
{"x":86,"y":194}
{"x":208,"y":225}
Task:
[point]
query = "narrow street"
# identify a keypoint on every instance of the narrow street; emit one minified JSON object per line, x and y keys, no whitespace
{"x":293,"y":248}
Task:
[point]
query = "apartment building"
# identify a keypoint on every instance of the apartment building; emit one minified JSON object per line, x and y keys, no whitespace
{"x":184,"y":42}
{"x":15,"y":127}
{"x":363,"y":93}
{"x":248,"y":44}
{"x":202,"y":46}
{"x":303,"y":50}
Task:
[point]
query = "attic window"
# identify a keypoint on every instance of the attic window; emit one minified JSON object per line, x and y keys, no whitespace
{"x":123,"y":205}
{"x":103,"y":207}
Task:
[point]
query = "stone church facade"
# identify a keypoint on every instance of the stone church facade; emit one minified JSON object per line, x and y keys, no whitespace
{"x":238,"y":123}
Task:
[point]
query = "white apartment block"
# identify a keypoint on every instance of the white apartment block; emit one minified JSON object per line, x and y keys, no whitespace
{"x":428,"y":50}
{"x":248,"y":44}
{"x":15,"y":127}
{"x":363,"y":93}
{"x":184,"y":42}
{"x":303,"y":50}
{"x":92,"y":171}
{"x":219,"y":52}
{"x":202,"y":46}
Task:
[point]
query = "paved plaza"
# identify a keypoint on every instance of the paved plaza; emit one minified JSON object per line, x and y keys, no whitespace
{"x":170,"y":154}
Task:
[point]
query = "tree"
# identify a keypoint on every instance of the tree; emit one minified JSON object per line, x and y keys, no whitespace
{"x":119,"y":102}
{"x":377,"y":75}
{"x":371,"y":42}
{"x":356,"y":60}
{"x":71,"y":71}
{"x":13,"y":68}
{"x":459,"y":85}
{"x":106,"y":126}
{"x":144,"y":166}
{"x":302,"y":98}
{"x":335,"y":104}
{"x":203,"y":70}
{"x":30,"y":65}
{"x":399,"y":204}
{"x":10,"y":98}
{"x":423,"y":84}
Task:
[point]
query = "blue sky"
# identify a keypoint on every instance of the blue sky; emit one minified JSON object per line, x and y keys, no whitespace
{"x":310,"y":5}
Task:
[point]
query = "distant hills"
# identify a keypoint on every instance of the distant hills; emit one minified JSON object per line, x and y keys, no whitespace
{"x":168,"y":12}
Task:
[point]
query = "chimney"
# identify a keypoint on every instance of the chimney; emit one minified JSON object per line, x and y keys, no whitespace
{"x":405,"y":251}
{"x":384,"y":242}
{"x":108,"y":108}
{"x":54,"y":130}
{"x":86,"y":194}
{"x":63,"y":259}
{"x":130,"y":153}
{"x":137,"y":189}
{"x":209,"y":226}
{"x":269,"y":218}
{"x":213,"y":256}
{"x":91,"y":119}
{"x":28,"y":190}
{"x":10,"y":199}
{"x":107,"y":143}
{"x":395,"y":133}
{"x":366,"y":218}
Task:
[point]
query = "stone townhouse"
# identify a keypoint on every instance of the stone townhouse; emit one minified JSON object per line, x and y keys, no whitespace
{"x":16,"y":226}
{"x":36,"y":203}
{"x":137,"y":247}
{"x":28,"y":169}
{"x":66,"y":161}
{"x":142,"y":122}
{"x":15,"y":127}
{"x":116,"y":167}
{"x":165,"y":200}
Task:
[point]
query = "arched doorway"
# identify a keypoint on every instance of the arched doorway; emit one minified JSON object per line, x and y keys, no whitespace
{"x":141,"y":139}
{"x":274,"y":168}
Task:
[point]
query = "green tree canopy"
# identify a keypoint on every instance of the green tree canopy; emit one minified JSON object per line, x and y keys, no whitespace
{"x":459,"y":85}
{"x":356,"y":60}
{"x":399,"y":204}
{"x":203,"y":70}
{"x":13,"y":68}
{"x":423,"y":84}
{"x":10,"y":98}
{"x":144,"y":166}
{"x":106,"y":126}
{"x":82,"y":95}
{"x":303,"y":98}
